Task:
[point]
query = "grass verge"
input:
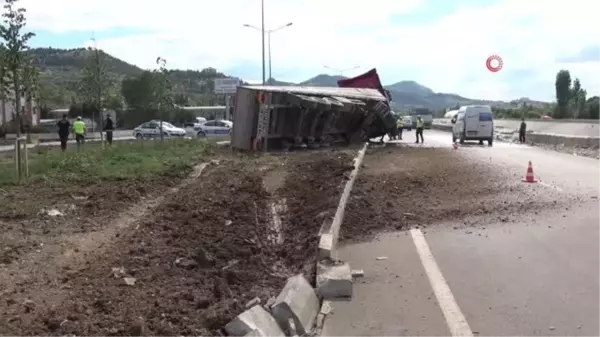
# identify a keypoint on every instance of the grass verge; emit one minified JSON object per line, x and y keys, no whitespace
{"x":123,"y":161}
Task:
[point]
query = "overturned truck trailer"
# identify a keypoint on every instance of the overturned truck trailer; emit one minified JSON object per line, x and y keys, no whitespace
{"x":284,"y":117}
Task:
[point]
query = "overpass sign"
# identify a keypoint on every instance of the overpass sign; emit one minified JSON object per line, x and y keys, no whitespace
{"x":226,"y":85}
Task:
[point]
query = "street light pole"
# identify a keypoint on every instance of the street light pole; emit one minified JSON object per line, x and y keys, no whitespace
{"x":341,"y":71}
{"x":263,"y":40}
{"x":268,"y":32}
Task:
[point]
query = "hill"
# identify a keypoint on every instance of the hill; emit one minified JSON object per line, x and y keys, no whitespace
{"x":408,"y":94}
{"x":60,"y":72}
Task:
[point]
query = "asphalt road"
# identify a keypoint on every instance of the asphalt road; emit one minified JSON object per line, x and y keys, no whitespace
{"x":568,"y":128}
{"x":539,"y":276}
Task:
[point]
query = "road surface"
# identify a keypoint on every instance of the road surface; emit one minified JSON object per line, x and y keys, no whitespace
{"x":536,"y":275}
{"x":568,"y":128}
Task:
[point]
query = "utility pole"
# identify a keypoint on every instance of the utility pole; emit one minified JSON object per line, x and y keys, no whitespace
{"x":268,"y":32}
{"x":263,"y":39}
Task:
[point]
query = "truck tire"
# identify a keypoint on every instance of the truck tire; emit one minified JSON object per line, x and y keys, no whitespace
{"x":490,"y":141}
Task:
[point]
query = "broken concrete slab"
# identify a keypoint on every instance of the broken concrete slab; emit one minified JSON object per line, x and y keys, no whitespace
{"x":334,"y":280}
{"x":297,"y":303}
{"x":253,"y":333}
{"x":255,"y":318}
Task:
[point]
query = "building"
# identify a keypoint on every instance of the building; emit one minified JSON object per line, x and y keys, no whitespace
{"x":30,"y":110}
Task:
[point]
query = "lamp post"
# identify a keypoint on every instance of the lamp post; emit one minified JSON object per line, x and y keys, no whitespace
{"x":268,"y":32}
{"x":342,"y":71}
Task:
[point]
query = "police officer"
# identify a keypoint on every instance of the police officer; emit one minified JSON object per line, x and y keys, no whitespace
{"x":79,"y":131}
{"x":400,"y":125}
{"x":109,"y":127}
{"x":522,"y":130}
{"x":63,"y":126}
{"x":420,"y":125}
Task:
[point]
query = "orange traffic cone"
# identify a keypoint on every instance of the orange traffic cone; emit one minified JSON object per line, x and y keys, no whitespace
{"x":529,"y":177}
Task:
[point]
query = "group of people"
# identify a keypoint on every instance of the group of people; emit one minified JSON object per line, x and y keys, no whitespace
{"x":79,"y":130}
{"x":397,"y":134}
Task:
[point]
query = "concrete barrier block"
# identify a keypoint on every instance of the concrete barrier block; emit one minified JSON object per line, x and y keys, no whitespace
{"x":329,"y":233}
{"x":334,"y":280}
{"x":255,"y":321}
{"x":297,"y":303}
{"x":253,"y":333}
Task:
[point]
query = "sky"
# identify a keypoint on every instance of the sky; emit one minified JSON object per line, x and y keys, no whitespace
{"x":442,"y":44}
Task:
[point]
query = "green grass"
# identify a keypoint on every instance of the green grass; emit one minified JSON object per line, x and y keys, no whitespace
{"x":135,"y":160}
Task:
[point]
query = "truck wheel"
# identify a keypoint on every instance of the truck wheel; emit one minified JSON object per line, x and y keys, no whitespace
{"x":490,"y":141}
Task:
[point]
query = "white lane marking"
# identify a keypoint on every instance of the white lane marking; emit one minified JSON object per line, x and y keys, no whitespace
{"x":454,"y":318}
{"x":550,"y":186}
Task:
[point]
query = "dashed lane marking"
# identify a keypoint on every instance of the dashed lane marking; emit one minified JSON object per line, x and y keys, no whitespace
{"x":457,"y":324}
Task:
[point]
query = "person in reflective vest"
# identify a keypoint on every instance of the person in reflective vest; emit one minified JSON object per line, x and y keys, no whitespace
{"x":400,"y":125}
{"x":420,"y":125}
{"x":79,"y":131}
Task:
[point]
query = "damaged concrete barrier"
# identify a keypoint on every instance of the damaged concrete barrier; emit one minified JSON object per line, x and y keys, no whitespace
{"x":334,"y":280}
{"x":253,"y":333}
{"x":296,"y":305}
{"x":564,"y":140}
{"x":255,"y":321}
{"x":329,"y":234}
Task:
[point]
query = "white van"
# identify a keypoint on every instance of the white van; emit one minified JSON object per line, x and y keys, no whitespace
{"x":474,"y":122}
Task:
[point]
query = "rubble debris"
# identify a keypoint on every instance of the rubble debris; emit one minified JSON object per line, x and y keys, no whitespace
{"x":130,"y":281}
{"x":358,"y":273}
{"x":252,"y":302}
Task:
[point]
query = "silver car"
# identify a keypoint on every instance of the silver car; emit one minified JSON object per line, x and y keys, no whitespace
{"x":214,"y":128}
{"x":151,"y":129}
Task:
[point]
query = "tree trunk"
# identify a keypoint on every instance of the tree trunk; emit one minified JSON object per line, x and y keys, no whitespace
{"x":18,"y":121}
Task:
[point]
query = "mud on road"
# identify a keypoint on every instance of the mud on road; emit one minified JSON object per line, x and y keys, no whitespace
{"x":400,"y":187}
{"x":191,"y":264}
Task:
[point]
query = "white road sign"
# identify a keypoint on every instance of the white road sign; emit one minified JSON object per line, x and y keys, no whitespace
{"x":226,"y":85}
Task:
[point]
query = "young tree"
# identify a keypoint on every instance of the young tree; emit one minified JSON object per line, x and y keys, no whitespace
{"x":3,"y":83}
{"x":16,"y":43}
{"x":30,"y":76}
{"x":163,"y":91}
{"x":96,"y":83}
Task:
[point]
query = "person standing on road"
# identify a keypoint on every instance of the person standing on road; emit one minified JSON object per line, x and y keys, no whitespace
{"x":420,"y":125}
{"x":108,"y":129}
{"x":400,"y":126}
{"x":522,"y":130}
{"x":79,"y":131}
{"x":64,"y":126}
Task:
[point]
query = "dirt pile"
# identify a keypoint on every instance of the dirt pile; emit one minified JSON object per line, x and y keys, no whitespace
{"x":194,"y":263}
{"x":404,"y":186}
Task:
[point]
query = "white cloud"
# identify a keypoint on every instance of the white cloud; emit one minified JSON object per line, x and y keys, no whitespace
{"x":447,"y":55}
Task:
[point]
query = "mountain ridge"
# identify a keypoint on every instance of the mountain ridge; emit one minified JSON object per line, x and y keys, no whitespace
{"x":411,"y":94}
{"x":61,"y":69}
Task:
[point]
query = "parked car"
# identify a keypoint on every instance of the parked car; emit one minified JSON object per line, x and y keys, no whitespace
{"x":213,"y":128}
{"x":151,"y":129}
